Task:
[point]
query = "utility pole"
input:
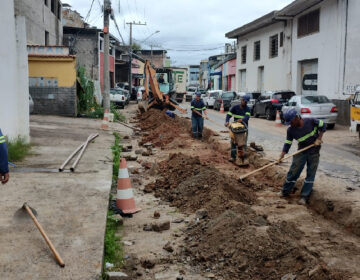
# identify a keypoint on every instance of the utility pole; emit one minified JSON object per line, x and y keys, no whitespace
{"x":130,"y":52}
{"x":107,"y":12}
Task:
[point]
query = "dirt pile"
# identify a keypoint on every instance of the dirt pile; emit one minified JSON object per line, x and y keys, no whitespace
{"x":232,"y":242}
{"x":158,"y":128}
{"x":189,"y":185}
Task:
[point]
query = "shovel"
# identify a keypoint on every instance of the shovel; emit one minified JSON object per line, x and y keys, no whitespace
{"x":275,"y":162}
{"x":32,"y":213}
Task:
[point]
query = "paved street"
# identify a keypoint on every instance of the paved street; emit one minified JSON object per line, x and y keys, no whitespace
{"x":340,"y":156}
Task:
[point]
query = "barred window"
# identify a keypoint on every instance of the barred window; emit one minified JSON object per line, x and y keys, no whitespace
{"x":274,"y":46}
{"x":257,"y":50}
{"x":243,"y":54}
{"x":309,"y":23}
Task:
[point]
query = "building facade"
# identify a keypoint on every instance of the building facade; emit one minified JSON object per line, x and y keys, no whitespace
{"x":88,"y":46}
{"x":157,"y":58}
{"x":14,"y":94}
{"x":204,"y":74}
{"x":193,"y":78}
{"x":42,"y":20}
{"x":316,"y":45}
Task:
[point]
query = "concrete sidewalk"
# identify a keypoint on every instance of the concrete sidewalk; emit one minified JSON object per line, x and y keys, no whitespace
{"x":71,"y":207}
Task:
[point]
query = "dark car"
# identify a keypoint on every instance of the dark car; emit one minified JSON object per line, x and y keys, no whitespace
{"x":226,"y":97}
{"x":270,"y":102}
{"x":253,"y":97}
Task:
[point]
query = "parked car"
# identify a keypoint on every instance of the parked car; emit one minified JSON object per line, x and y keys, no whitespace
{"x":189,"y":93}
{"x":117,"y":97}
{"x":314,"y":106}
{"x":139,"y":93}
{"x":31,"y":104}
{"x":211,"y":97}
{"x":253,"y":97}
{"x":270,"y":102}
{"x":225,"y":97}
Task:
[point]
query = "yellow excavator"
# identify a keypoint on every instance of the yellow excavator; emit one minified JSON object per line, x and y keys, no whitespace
{"x":159,"y":94}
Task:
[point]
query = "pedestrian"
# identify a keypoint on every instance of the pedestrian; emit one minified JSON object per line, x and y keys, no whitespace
{"x":4,"y":163}
{"x":240,"y":113}
{"x":306,"y":131}
{"x":197,"y":119}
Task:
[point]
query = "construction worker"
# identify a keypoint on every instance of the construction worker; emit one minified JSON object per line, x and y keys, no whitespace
{"x":241,"y":113}
{"x":4,"y":166}
{"x":306,"y":131}
{"x":197,"y":119}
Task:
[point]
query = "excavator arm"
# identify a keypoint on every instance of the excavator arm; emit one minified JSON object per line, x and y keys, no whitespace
{"x":159,"y":99}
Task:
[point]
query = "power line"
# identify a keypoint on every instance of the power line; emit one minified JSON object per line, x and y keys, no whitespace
{"x":88,"y":13}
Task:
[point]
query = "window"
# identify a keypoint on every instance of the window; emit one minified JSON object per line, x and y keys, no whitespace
{"x":59,"y":11}
{"x":274,"y":46}
{"x":309,"y":23}
{"x":46,"y":2}
{"x":281,"y":39}
{"x":46,"y":38}
{"x":101,"y":45}
{"x":257,"y":50}
{"x":53,"y":6}
{"x":243,"y":54}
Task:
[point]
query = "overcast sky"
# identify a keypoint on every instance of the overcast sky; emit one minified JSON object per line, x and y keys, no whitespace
{"x":190,"y":30}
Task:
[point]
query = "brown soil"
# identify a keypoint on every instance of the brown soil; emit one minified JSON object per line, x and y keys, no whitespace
{"x":232,"y":242}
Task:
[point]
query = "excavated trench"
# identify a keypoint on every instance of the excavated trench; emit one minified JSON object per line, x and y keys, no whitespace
{"x":229,"y":238}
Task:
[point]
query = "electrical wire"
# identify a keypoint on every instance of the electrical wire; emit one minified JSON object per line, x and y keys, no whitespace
{"x":88,"y":13}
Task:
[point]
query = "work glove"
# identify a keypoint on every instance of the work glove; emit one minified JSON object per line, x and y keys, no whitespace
{"x":318,"y":142}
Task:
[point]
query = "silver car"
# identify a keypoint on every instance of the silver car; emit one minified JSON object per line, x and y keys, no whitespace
{"x":313,"y":106}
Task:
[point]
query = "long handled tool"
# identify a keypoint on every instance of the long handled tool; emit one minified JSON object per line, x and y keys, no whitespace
{"x":133,"y":128}
{"x":275,"y":162}
{"x":51,"y":246}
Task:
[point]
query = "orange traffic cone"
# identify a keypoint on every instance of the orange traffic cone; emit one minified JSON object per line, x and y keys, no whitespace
{"x":278,"y":120}
{"x":105,"y":121}
{"x":125,"y":197}
{"x":222,"y":107}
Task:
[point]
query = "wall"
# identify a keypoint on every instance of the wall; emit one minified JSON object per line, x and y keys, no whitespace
{"x":324,"y":46}
{"x":85,"y":47}
{"x":14,"y":94}
{"x":39,"y":19}
{"x":59,"y":98}
{"x":111,"y":69}
{"x":277,"y":74}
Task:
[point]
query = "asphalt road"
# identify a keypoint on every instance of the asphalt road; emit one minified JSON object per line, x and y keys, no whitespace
{"x":340,"y":153}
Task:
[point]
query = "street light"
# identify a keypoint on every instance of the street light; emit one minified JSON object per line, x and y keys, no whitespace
{"x":157,"y":31}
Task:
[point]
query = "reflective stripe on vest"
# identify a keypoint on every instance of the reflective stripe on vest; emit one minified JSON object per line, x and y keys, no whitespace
{"x":288,"y":142}
{"x":2,"y":139}
{"x":236,"y":116}
{"x":198,"y":109}
{"x":321,"y":123}
{"x":312,"y":133}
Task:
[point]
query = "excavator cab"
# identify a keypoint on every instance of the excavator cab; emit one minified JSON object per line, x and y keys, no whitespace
{"x":159,"y":89}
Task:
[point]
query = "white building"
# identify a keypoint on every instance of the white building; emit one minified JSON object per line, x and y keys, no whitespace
{"x":263,"y":55}
{"x":14,"y":93}
{"x":319,"y":54}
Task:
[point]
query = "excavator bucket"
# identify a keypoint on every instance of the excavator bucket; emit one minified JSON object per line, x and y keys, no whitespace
{"x":143,"y":106}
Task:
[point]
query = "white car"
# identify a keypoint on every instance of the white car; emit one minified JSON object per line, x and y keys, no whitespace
{"x":117,"y":97}
{"x":190,"y":93}
{"x":211,"y":97}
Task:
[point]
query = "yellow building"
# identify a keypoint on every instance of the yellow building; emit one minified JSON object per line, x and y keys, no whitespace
{"x":52,"y":80}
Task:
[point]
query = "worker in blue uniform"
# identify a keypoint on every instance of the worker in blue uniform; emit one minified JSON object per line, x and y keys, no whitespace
{"x":240,"y":113}
{"x":197,"y":119}
{"x":4,"y":166}
{"x":306,"y":131}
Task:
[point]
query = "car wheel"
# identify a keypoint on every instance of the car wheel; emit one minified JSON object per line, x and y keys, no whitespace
{"x":330,"y":125}
{"x":256,"y":115}
{"x":268,"y":114}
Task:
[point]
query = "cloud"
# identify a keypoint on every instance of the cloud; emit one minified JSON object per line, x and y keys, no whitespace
{"x":183,"y":24}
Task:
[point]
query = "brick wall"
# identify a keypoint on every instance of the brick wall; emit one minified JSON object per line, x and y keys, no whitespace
{"x":60,"y":101}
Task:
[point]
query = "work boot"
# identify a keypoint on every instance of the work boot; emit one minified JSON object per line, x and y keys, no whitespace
{"x":302,"y":201}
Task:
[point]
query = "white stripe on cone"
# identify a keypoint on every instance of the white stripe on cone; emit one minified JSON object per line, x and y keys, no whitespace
{"x":123,"y":173}
{"x":124,"y":194}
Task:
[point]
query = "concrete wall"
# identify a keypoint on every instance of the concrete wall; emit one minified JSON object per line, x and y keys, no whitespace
{"x":85,"y":47}
{"x":54,"y":100}
{"x":14,"y":94}
{"x":277,"y":74}
{"x":59,"y":71}
{"x":40,"y":18}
